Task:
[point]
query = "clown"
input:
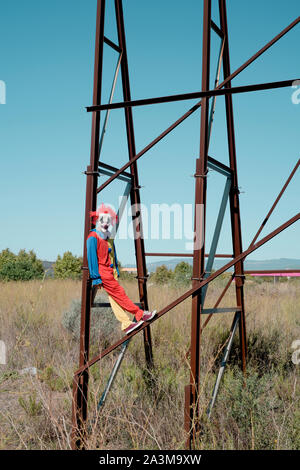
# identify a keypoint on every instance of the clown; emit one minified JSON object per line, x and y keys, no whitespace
{"x":104,"y":271}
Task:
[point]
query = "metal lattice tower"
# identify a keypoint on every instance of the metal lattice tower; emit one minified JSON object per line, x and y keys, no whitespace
{"x":202,"y":275}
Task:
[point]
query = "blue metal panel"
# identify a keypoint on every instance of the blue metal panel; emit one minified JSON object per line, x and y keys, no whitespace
{"x":220,"y":310}
{"x":215,"y":167}
{"x":216,"y":236}
{"x":103,"y":171}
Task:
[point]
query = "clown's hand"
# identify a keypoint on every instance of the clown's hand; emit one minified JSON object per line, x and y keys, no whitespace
{"x":97,"y":286}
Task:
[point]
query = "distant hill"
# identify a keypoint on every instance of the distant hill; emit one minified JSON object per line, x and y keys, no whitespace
{"x":280,"y":263}
{"x":48,"y":266}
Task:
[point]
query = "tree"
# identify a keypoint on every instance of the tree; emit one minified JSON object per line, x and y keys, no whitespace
{"x":183,"y":273}
{"x":6,"y":256}
{"x":21,"y":267}
{"x":162,"y":275}
{"x":68,"y":266}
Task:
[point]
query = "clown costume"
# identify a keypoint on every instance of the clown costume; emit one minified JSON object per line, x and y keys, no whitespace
{"x":104,"y":270}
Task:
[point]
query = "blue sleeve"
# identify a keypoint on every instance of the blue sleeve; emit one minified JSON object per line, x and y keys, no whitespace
{"x":116,"y":260}
{"x":91,"y":245}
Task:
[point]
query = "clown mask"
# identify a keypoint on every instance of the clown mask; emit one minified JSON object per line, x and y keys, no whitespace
{"x":103,"y":218}
{"x":103,"y":223}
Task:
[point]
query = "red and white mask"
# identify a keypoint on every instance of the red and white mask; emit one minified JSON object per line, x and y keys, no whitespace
{"x":104,"y":222}
{"x":103,"y":218}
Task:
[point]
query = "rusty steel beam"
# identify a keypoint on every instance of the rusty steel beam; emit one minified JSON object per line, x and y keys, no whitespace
{"x":114,"y":169}
{"x":194,"y":95}
{"x":216,"y":29}
{"x":199,"y":231}
{"x":220,"y":165}
{"x":234,"y":192}
{"x":112,"y":45}
{"x":193,"y":290}
{"x":80,"y":392}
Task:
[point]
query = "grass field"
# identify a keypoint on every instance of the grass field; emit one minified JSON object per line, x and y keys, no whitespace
{"x":145,"y":410}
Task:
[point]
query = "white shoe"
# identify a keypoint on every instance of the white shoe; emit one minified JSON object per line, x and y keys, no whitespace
{"x":148,"y":315}
{"x":132,"y":326}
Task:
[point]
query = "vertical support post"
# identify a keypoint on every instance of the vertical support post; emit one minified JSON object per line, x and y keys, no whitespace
{"x":234,"y":193}
{"x":192,"y":395}
{"x":80,"y":392}
{"x":135,"y":193}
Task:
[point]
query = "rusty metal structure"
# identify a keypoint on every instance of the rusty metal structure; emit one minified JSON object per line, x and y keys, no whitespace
{"x":202,"y":272}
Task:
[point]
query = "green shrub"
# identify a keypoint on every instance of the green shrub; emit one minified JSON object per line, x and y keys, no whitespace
{"x":182,"y":274}
{"x":68,"y":266}
{"x":31,"y":406}
{"x":249,"y":406}
{"x":265,"y":351}
{"x":103,"y":321}
{"x":162,"y":275}
{"x":21,"y":267}
{"x":54,"y":381}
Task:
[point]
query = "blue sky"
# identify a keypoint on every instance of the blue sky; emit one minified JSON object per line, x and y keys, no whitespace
{"x":47,"y":54}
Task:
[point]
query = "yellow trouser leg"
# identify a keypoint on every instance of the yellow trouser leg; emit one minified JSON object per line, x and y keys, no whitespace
{"x":122,"y":315}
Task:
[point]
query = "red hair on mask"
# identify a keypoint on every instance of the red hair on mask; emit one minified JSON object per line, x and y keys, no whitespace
{"x":103,"y":209}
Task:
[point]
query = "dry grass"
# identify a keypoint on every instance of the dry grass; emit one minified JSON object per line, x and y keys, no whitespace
{"x":145,"y":410}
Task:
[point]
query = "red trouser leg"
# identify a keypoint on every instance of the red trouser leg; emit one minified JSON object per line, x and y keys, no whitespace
{"x":117,"y":292}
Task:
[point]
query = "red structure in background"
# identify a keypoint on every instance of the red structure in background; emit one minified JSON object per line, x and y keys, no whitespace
{"x":286,"y":273}
{"x":201,"y":271}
